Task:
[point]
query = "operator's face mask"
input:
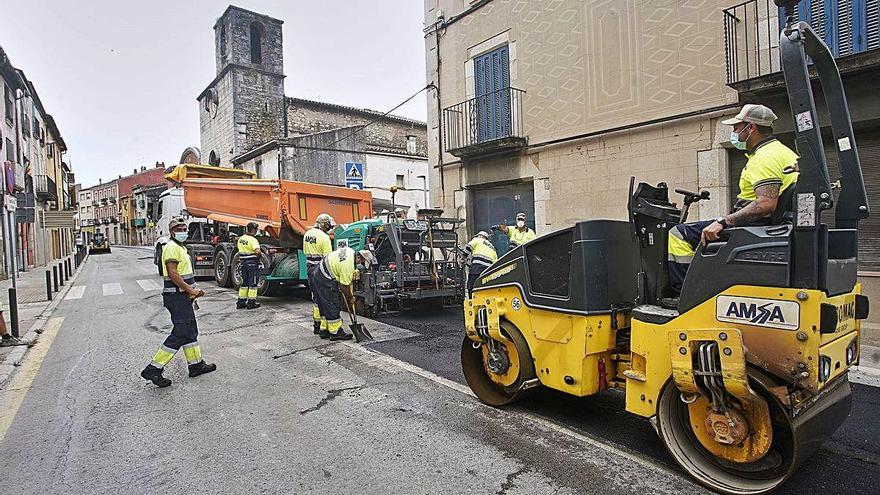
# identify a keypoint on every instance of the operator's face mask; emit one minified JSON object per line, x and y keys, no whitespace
{"x":181,"y":236}
{"x":737,"y":142}
{"x":520,"y":223}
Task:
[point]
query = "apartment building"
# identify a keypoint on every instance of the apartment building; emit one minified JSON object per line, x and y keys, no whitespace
{"x":549,"y":107}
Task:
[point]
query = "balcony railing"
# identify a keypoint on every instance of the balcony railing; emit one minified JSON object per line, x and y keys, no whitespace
{"x":45,"y":188}
{"x":485,"y":124}
{"x":751,"y":32}
{"x":140,"y":222}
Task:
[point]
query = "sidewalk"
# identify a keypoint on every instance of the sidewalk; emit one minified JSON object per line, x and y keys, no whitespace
{"x":33,"y":308}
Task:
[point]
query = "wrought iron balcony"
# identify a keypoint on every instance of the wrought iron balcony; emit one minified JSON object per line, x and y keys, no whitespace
{"x":486,"y":124}
{"x":45,"y":188}
{"x":751,"y":35}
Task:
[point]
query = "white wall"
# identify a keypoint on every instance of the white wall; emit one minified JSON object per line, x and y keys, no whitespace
{"x":381,"y":171}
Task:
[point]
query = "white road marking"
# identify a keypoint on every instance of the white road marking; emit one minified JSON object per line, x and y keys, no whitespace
{"x":148,"y":285}
{"x":113,"y":289}
{"x":75,"y":292}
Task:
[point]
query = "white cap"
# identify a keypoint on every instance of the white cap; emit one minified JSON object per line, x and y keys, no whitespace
{"x":756,"y":114}
{"x":483,"y":234}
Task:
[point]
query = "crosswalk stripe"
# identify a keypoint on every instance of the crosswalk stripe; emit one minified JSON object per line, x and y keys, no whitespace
{"x":75,"y":292}
{"x":112,"y":289}
{"x":149,"y":284}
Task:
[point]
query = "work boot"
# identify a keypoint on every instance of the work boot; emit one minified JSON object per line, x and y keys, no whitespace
{"x":324,"y":334}
{"x":252,"y":305}
{"x":340,"y":335}
{"x":201,"y":368}
{"x":317,"y":329}
{"x":240,"y":305}
{"x":154,"y":374}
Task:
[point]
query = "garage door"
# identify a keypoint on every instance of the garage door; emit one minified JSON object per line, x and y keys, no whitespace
{"x":500,"y":204}
{"x":869,"y":155}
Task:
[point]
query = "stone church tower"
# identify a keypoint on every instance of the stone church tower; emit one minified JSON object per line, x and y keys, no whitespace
{"x":243,"y":106}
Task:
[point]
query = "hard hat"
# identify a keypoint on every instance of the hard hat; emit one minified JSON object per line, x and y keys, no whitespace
{"x":324,"y":218}
{"x":483,"y":234}
{"x":252,"y":226}
{"x":368,"y":256}
{"x":520,"y":216}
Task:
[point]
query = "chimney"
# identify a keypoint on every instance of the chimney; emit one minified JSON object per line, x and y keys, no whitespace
{"x":99,"y":180}
{"x":143,"y":168}
{"x":134,"y":172}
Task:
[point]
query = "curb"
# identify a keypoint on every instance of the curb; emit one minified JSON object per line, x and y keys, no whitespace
{"x":14,"y":358}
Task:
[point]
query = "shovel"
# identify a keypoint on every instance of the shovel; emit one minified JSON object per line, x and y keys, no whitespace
{"x":359,"y":331}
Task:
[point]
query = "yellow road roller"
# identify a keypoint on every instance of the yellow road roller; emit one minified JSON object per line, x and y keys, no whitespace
{"x":745,"y":375}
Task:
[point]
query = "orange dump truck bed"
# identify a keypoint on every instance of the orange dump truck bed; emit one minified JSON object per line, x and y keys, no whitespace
{"x":273,"y":204}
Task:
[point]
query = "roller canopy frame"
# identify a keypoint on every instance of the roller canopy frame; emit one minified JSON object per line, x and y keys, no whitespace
{"x":813,"y":190}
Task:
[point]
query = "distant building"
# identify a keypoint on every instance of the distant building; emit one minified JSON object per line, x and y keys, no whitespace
{"x":105,"y":197}
{"x":247,"y":122}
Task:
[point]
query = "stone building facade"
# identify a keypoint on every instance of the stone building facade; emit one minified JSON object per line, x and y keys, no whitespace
{"x":247,"y":122}
{"x":550,"y":107}
{"x":243,"y":106}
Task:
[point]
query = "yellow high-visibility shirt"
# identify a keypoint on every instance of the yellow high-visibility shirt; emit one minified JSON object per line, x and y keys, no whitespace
{"x":341,"y":264}
{"x":248,"y":245}
{"x":172,"y":251}
{"x":482,"y":251}
{"x":518,"y":238}
{"x":316,"y":244}
{"x":765,"y":166}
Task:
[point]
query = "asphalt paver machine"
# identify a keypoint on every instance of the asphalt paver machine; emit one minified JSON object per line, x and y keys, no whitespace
{"x":748,"y":376}
{"x":417,"y":261}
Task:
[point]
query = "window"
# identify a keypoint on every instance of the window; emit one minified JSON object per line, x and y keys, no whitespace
{"x":213,"y":159}
{"x":492,"y":90}
{"x":9,"y":154}
{"x":549,"y":263}
{"x":223,"y":42}
{"x":9,"y":105}
{"x":256,"y":43}
{"x":400,"y":181}
{"x":258,"y":167}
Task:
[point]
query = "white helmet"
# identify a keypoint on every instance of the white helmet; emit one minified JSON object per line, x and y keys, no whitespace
{"x":483,"y":234}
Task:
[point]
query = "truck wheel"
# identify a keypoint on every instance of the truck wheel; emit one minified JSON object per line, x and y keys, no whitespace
{"x":222,"y":269}
{"x":267,"y":288}
{"x":497,"y":379}
{"x":235,"y":271}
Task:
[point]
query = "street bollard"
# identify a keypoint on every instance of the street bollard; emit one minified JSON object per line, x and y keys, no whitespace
{"x":13,"y":311}
{"x":54,"y":278}
{"x":61,"y":274}
{"x":67,"y":268}
{"x":48,"y":286}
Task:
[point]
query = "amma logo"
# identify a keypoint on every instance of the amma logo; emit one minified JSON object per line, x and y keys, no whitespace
{"x":758,"y":312}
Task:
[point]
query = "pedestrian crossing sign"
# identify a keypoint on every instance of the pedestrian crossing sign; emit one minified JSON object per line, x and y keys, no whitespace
{"x":354,"y":170}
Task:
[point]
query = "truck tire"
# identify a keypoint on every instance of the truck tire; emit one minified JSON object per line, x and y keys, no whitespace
{"x":222,"y":270}
{"x":235,"y":274}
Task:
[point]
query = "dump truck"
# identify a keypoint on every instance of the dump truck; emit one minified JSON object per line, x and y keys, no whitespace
{"x":218,"y":210}
{"x":417,"y":261}
{"x":746,"y":376}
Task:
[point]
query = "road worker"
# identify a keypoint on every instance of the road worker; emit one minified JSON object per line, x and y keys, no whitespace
{"x":316,"y":245}
{"x":335,"y":274}
{"x":520,"y":234}
{"x":249,"y":254}
{"x":481,"y":254}
{"x":178,"y":295}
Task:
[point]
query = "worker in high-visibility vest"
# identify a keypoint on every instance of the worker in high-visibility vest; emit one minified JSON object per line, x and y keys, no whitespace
{"x":249,"y":254}
{"x":316,"y":245}
{"x":335,"y":274}
{"x":481,"y":254}
{"x":519,"y":234}
{"x":178,"y":295}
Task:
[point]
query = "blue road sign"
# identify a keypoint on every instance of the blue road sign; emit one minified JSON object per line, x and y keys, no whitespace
{"x":355,"y":184}
{"x":354,"y":170}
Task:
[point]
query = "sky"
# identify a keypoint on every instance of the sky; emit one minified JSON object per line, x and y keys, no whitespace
{"x":121,"y":76}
